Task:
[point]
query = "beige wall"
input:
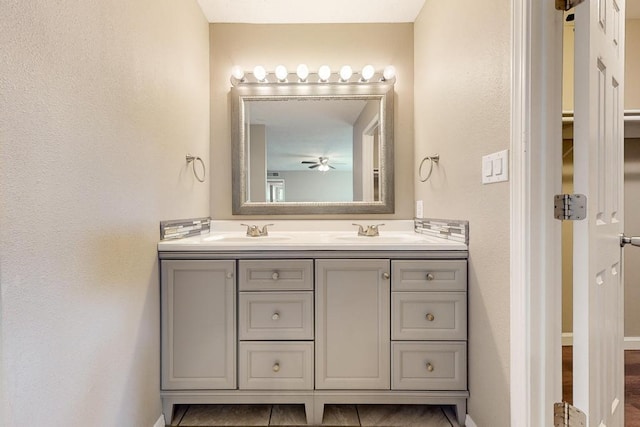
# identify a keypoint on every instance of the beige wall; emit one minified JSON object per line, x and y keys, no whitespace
{"x":100,"y":102}
{"x":462,"y":110}
{"x":335,"y":45}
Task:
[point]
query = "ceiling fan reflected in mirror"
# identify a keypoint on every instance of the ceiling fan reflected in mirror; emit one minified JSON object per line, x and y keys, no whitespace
{"x":322,"y":164}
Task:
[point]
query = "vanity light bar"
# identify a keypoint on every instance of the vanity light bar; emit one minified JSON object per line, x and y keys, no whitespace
{"x":324,"y":75}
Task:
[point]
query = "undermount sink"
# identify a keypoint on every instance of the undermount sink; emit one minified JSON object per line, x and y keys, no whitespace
{"x":405,"y":238}
{"x":246,"y":239}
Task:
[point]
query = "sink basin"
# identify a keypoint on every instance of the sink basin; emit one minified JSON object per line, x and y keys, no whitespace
{"x":405,"y":238}
{"x":245,"y":239}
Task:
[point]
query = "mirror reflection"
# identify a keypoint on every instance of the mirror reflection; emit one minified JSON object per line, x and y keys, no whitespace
{"x":312,"y":150}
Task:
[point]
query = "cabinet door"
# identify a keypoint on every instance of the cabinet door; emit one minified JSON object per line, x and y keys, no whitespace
{"x":352,"y":324}
{"x":198,"y":325}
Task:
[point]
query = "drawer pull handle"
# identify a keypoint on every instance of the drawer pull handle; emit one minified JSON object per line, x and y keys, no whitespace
{"x":275,"y":316}
{"x":276,"y":367}
{"x":430,"y":367}
{"x":430,"y":277}
{"x":275,"y":275}
{"x":430,"y":317}
{"x":385,"y":276}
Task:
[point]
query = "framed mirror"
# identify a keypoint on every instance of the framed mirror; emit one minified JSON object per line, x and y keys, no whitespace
{"x":312,"y":148}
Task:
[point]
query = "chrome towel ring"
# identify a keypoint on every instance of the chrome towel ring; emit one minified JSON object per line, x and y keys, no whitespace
{"x":191,"y":159}
{"x":432,"y":160}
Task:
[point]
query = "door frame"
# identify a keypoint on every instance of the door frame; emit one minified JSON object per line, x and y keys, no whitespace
{"x":535,"y":237}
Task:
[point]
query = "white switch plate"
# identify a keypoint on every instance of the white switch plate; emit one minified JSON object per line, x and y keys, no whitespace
{"x":419,"y":209}
{"x":495,"y":167}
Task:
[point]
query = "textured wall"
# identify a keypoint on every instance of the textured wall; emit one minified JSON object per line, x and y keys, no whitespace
{"x":462,"y":110}
{"x":314,"y":45}
{"x":100,"y":101}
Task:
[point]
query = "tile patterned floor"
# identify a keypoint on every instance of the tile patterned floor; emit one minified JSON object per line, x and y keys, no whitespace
{"x":334,"y":415}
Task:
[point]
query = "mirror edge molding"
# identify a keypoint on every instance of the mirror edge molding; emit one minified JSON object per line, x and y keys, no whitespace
{"x":383,"y":90}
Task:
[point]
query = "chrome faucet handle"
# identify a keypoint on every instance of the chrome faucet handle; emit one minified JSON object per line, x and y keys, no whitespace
{"x":372,"y":230}
{"x":360,"y":229}
{"x":264,"y":231}
{"x":252,"y":230}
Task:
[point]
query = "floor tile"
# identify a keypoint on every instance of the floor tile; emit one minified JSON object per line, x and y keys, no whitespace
{"x":402,"y":415}
{"x":227,"y":415}
{"x":288,"y":415}
{"x":340,"y":415}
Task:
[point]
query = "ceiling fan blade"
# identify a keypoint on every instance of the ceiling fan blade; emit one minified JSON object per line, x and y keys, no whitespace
{"x":314,"y":166}
{"x":331,"y":166}
{"x":308,"y":162}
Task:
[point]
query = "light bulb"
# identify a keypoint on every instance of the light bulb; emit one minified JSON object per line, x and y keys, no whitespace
{"x":281,"y":73}
{"x":323,"y":168}
{"x":345,"y":73}
{"x":367,"y":72}
{"x":260,"y":73}
{"x":324,"y":73}
{"x":237,"y":73}
{"x":303,"y":72}
{"x":389,"y":72}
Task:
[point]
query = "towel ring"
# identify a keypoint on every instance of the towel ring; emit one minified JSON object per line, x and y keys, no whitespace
{"x":191,"y":159}
{"x":432,"y":160}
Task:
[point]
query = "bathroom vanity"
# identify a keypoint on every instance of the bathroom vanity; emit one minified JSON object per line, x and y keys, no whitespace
{"x":314,"y":318}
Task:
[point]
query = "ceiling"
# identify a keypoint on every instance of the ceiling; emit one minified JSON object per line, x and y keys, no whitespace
{"x":326,"y":11}
{"x":310,"y":11}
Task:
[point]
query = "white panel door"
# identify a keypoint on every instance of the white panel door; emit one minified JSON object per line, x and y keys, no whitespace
{"x":598,"y":146}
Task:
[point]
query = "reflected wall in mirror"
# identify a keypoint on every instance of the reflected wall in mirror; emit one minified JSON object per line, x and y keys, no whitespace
{"x":312,"y":148}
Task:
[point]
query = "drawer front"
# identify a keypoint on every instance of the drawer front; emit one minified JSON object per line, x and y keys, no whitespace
{"x":276,"y":366}
{"x":275,"y":275}
{"x":276,"y":315}
{"x":429,"y":316}
{"x":440,"y":275}
{"x":429,"y":366}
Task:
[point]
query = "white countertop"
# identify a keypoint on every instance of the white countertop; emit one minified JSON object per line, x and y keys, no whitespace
{"x":311,"y":235}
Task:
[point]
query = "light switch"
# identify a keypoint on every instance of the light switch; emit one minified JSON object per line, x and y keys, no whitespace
{"x":495,"y":167}
{"x":487,"y":167}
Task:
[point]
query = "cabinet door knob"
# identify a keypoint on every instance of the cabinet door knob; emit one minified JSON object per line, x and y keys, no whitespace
{"x":276,"y":367}
{"x":430,"y":276}
{"x":275,"y":316}
{"x":385,"y":276}
{"x":229,"y":275}
{"x":430,"y":317}
{"x":430,"y":367}
{"x":275,"y":275}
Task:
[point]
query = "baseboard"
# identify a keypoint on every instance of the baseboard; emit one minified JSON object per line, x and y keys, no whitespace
{"x":468,"y":422}
{"x":630,"y":343}
{"x":160,"y":422}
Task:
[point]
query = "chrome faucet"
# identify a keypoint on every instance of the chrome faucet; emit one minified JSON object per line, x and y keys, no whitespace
{"x":255,"y":231}
{"x":370,"y":231}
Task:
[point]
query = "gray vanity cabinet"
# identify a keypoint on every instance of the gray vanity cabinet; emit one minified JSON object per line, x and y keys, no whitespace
{"x":198,"y":300}
{"x":352,"y":324}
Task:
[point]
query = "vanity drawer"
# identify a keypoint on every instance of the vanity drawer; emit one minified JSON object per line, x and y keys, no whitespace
{"x":275,"y":275}
{"x":429,"y":366}
{"x":440,"y":275}
{"x":276,"y":315}
{"x":429,"y":316}
{"x":276,"y":366}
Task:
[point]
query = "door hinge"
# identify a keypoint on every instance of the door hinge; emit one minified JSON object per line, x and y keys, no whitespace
{"x":566,"y":415}
{"x":570,"y":207}
{"x":565,"y":5}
